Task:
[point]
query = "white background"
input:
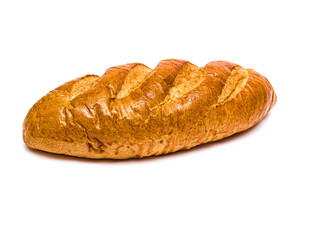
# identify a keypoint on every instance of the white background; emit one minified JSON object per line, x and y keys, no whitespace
{"x":255,"y":185}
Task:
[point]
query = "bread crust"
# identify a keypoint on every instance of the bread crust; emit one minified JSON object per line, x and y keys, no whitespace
{"x":133,"y":111}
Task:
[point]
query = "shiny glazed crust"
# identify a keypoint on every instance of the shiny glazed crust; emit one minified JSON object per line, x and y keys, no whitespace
{"x":133,"y":111}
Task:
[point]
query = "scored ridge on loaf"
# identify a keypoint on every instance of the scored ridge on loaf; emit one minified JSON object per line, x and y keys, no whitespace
{"x":134,"y":111}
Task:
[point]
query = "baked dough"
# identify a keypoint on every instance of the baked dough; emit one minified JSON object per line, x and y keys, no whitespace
{"x":133,"y":111}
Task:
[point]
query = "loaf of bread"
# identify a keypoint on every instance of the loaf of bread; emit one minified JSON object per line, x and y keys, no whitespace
{"x":133,"y":111}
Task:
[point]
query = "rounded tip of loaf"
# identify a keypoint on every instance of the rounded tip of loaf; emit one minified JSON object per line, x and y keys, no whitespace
{"x":133,"y":111}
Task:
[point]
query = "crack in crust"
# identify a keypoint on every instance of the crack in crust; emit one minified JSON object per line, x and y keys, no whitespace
{"x":134,"y":111}
{"x":179,"y":79}
{"x":234,"y":84}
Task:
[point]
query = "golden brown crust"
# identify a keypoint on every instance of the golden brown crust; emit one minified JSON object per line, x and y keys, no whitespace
{"x":134,"y":111}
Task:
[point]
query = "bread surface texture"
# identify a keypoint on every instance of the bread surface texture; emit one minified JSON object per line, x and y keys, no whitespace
{"x":133,"y":111}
